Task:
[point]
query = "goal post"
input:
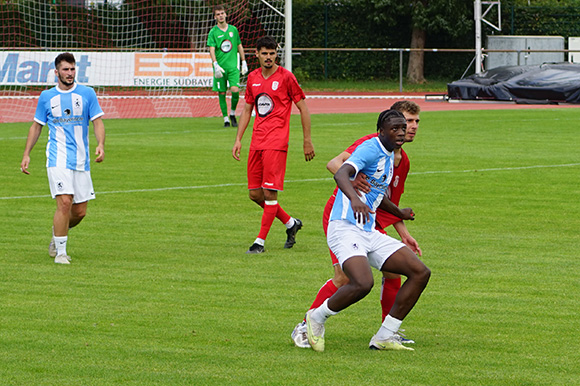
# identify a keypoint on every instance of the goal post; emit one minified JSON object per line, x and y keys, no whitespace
{"x":145,"y":58}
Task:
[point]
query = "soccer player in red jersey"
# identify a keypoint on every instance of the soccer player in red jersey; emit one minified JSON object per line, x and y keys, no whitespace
{"x":391,"y":282}
{"x":271,"y":90}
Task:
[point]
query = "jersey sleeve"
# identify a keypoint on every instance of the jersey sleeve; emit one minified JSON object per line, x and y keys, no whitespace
{"x":40,"y":116}
{"x":237,"y":38}
{"x":294,"y":89}
{"x":95,"y":110}
{"x":249,"y":95}
{"x":211,"y":39}
{"x":356,"y":143}
{"x":363,"y":155}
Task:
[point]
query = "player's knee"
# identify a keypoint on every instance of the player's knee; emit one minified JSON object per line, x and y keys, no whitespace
{"x":362,"y":288}
{"x":422,"y":274}
{"x":257,"y":196}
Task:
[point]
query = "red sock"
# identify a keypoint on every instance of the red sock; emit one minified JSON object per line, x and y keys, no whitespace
{"x":280,"y":214}
{"x":325,"y":292}
{"x":267,"y":219}
{"x":389,"y":292}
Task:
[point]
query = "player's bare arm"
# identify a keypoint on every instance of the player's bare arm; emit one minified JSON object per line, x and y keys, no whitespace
{"x":389,"y":207}
{"x":33,"y":135}
{"x":242,"y":125}
{"x":342,"y":177}
{"x":406,"y":237}
{"x":306,"y":130}
{"x":99,"y":128}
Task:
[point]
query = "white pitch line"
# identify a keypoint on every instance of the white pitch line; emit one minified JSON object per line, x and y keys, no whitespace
{"x":303,"y":180}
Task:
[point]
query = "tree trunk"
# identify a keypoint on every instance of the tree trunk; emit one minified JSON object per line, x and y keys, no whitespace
{"x":415,"y":70}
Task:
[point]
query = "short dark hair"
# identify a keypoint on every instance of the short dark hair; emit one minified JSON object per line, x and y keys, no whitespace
{"x":386,"y":115}
{"x":267,"y":42}
{"x":219,"y":7}
{"x":64,"y":57}
{"x":406,"y":107}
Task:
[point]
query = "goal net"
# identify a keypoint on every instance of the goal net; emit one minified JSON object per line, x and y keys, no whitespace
{"x":144,"y":58}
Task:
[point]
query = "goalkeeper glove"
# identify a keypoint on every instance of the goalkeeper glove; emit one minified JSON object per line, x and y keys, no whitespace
{"x":218,"y":71}
{"x":244,"y":67}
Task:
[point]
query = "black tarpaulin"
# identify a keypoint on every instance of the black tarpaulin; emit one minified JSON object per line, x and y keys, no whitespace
{"x":546,"y":83}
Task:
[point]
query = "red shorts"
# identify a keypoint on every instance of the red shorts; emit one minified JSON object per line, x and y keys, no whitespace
{"x":266,"y":169}
{"x":326,"y":217}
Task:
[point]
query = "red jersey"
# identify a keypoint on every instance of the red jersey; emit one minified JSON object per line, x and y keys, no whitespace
{"x":272,"y":99}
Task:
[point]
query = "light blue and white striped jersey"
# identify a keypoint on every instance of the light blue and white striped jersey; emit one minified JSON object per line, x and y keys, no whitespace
{"x":372,"y":159}
{"x":68,"y":114}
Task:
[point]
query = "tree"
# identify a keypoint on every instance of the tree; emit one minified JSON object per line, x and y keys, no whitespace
{"x":428,"y":17}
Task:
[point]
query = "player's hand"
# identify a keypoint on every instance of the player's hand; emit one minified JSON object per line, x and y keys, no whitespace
{"x":408,"y":214}
{"x":100,"y":153}
{"x":362,"y":212}
{"x":236,"y":150}
{"x":412,"y":244}
{"x":360,"y":184}
{"x":244,"y":67}
{"x":218,"y":71}
{"x":24,"y":165}
{"x":308,"y":151}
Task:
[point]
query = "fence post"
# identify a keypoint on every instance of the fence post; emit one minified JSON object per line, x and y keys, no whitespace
{"x":400,"y":70}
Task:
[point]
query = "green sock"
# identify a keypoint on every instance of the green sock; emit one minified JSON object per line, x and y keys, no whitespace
{"x":235,"y":99}
{"x":223,"y":104}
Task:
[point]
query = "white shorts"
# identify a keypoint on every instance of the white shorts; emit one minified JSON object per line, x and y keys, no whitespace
{"x":74,"y":182}
{"x":346,"y":240}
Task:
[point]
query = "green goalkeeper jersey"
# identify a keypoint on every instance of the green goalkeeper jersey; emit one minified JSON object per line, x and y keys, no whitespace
{"x":226,"y":46}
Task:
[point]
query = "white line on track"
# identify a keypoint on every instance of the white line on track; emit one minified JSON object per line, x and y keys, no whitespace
{"x":302,"y":180}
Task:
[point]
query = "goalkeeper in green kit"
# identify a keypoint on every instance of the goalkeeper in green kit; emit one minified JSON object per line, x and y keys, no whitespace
{"x":224,"y":45}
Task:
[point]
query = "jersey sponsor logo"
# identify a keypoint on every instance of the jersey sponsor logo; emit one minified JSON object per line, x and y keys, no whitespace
{"x":256,"y":84}
{"x":275,"y":85}
{"x":264,"y":104}
{"x":226,"y":46}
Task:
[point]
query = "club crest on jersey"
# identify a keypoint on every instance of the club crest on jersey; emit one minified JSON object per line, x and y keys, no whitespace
{"x":231,"y":34}
{"x":264,"y":104}
{"x":275,"y":85}
{"x":226,"y":46}
{"x":396,"y":181}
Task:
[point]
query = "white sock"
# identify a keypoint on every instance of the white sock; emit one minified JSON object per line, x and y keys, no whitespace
{"x":322,"y":313}
{"x":259,"y":241}
{"x":389,"y":327}
{"x":290,"y":223}
{"x":60,"y":242}
{"x":233,"y":113}
{"x":226,"y":119}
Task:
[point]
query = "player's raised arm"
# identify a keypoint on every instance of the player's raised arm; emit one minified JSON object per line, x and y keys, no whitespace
{"x":244,"y":121}
{"x":306,"y":130}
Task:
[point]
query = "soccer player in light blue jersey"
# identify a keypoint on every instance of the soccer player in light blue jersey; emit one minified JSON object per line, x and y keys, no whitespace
{"x":352,"y":237}
{"x":67,"y":109}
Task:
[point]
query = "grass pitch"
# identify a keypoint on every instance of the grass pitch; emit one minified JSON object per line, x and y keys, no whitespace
{"x":160,"y":291}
